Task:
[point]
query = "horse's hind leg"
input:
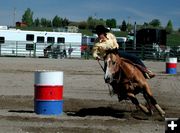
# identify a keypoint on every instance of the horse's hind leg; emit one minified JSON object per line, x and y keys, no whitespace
{"x":153,"y":101}
{"x":148,"y":103}
{"x":136,"y":102}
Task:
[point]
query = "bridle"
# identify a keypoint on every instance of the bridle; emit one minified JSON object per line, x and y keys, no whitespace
{"x":117,"y":76}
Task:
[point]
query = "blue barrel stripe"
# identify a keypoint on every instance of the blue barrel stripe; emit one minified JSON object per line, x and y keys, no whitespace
{"x":48,"y":107}
{"x":171,"y":70}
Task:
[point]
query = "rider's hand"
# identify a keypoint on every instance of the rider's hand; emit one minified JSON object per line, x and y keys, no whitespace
{"x":98,"y":58}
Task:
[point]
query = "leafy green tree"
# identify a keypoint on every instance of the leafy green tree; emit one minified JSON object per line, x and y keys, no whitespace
{"x":169,"y":27}
{"x":37,"y":22}
{"x":111,"y":23}
{"x":92,"y":23}
{"x":145,"y":25}
{"x":57,"y":21}
{"x":28,"y":17}
{"x":129,"y":27}
{"x":155,"y":23}
{"x":44,"y":22}
{"x":179,"y":30}
{"x":82,"y":25}
{"x":65,"y":22}
{"x":123,"y":26}
{"x":49,"y":23}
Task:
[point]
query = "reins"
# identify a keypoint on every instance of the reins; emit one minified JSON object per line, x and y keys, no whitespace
{"x":101,"y":66}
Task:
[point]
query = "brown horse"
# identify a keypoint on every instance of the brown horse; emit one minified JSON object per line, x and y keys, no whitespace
{"x":127,"y":81}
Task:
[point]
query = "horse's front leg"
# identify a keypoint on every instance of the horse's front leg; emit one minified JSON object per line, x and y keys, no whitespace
{"x":136,"y":102}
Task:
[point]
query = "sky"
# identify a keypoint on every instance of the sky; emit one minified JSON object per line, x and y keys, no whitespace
{"x":131,"y":11}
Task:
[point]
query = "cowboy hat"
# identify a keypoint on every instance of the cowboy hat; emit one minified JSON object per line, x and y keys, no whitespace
{"x":100,"y":29}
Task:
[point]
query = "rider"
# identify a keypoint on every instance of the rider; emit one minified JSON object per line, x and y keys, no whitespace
{"x":107,"y":40}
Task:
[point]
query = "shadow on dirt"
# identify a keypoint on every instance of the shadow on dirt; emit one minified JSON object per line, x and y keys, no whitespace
{"x":100,"y":111}
{"x":21,"y":111}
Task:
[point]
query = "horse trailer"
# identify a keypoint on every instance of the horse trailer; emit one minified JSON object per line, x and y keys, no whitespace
{"x":15,"y":42}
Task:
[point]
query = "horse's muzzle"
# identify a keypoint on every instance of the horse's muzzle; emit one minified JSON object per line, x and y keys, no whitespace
{"x":107,"y":80}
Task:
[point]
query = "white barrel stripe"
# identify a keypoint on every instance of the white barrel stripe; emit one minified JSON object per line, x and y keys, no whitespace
{"x":171,"y":60}
{"x":48,"y":78}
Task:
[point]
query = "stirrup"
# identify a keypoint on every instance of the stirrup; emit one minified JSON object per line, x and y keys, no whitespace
{"x":147,"y":76}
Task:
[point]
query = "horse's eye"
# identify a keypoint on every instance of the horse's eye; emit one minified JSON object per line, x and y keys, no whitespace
{"x":113,"y":62}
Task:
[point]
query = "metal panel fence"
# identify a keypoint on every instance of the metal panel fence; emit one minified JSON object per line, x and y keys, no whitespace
{"x":152,"y":51}
{"x":74,"y":50}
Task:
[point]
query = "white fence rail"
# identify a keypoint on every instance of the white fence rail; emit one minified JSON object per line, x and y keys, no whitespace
{"x":30,"y":49}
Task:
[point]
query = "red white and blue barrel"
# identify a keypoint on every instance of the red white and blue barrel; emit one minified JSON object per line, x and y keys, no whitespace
{"x":171,"y":65}
{"x":48,"y":90}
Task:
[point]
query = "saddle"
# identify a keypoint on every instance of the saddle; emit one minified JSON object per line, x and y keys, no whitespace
{"x":141,"y":68}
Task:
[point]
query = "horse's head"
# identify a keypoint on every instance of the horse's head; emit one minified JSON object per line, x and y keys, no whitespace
{"x":112,"y":65}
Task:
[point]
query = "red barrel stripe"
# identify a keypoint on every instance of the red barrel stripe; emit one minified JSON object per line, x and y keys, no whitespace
{"x":43,"y":92}
{"x":171,"y":65}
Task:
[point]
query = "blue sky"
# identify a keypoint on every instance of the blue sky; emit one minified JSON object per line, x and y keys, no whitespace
{"x":76,"y":10}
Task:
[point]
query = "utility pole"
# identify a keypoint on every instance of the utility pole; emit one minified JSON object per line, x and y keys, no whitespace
{"x":129,"y":19}
{"x":134,"y":35}
{"x":14,"y":17}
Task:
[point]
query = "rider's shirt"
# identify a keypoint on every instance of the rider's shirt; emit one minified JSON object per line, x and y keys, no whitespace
{"x":101,"y":45}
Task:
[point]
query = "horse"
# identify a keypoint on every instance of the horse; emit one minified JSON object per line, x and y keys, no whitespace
{"x":127,"y":81}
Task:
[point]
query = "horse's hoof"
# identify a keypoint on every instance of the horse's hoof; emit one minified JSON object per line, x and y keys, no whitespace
{"x":163,"y":115}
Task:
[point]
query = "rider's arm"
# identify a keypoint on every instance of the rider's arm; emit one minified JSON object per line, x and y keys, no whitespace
{"x":114,"y":40}
{"x":95,"y":50}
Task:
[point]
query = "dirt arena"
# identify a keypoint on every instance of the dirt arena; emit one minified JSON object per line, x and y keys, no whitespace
{"x":88,"y":107}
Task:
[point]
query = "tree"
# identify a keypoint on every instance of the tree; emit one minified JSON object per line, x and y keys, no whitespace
{"x":37,"y":22}
{"x":57,"y":21}
{"x":155,"y":23}
{"x":129,"y":27}
{"x":145,"y":25}
{"x":65,"y":22}
{"x":82,"y":25}
{"x":28,"y":17}
{"x":111,"y":23}
{"x":123,"y":26}
{"x":169,"y":27}
{"x":92,"y":23}
{"x":49,"y":23}
{"x":179,"y":30}
{"x":44,"y":22}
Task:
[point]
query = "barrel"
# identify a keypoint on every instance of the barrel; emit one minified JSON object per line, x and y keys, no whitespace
{"x":48,"y":92}
{"x":171,"y":65}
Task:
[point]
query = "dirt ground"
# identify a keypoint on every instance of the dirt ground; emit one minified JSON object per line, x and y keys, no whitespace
{"x":88,"y":107}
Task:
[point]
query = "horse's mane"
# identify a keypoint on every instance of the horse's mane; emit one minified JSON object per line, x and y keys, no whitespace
{"x":116,"y":52}
{"x":128,"y":61}
{"x":111,"y":51}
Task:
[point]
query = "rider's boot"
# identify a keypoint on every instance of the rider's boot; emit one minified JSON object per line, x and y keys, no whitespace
{"x":149,"y":74}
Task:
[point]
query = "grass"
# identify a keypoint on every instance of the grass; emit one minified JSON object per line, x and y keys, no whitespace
{"x":173,"y":39}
